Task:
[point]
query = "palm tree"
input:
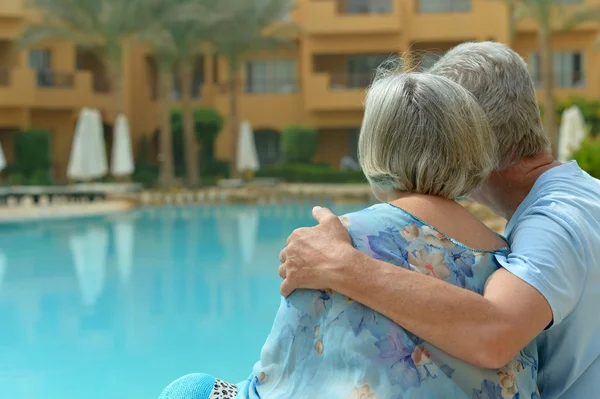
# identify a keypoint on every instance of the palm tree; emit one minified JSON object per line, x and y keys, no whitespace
{"x":544,"y":13}
{"x":254,"y":26}
{"x":176,"y":46}
{"x":165,"y":84}
{"x":103,"y":27}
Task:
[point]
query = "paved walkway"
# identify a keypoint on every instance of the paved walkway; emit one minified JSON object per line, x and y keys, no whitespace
{"x":62,"y":211}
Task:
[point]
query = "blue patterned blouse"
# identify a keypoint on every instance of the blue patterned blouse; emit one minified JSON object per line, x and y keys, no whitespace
{"x":325,"y":345}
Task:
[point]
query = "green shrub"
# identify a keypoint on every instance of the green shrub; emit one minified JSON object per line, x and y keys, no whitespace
{"x":143,"y":150}
{"x":39,"y":178}
{"x":178,"y":145}
{"x":207,"y":125}
{"x":589,"y":108}
{"x":146,"y":174}
{"x":588,"y":156}
{"x":32,"y":155}
{"x":16,"y":179}
{"x":307,"y":173}
{"x":298,"y":144}
{"x":215,"y":169}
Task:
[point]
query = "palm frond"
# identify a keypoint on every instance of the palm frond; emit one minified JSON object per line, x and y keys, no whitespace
{"x":586,"y":14}
{"x":254,"y":27}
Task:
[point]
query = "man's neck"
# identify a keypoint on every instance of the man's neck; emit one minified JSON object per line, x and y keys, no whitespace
{"x":504,"y":190}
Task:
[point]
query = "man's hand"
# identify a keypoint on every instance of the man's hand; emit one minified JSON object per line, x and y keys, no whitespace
{"x":313,"y":254}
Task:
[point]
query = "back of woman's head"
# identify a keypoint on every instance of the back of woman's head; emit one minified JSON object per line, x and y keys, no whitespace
{"x":425,"y":134}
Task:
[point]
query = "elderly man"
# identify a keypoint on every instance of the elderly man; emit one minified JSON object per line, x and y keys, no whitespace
{"x":549,"y":287}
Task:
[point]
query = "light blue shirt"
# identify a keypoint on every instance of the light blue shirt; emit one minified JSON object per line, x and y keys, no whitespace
{"x":555,"y":242}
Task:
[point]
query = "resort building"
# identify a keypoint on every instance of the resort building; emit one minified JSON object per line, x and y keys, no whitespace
{"x":321,"y":82}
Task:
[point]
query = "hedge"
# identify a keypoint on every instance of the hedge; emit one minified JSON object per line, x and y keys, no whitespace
{"x":298,"y":144}
{"x":307,"y":173}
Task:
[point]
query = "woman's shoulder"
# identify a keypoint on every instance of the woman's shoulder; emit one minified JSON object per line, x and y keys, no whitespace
{"x":374,"y":216}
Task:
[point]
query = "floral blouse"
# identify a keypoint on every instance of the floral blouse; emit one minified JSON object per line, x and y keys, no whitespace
{"x":325,"y":345}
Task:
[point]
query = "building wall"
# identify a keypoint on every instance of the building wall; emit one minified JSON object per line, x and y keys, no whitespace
{"x":319,"y":52}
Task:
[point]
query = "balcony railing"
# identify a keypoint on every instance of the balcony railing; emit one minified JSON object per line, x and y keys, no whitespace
{"x":365,"y":6}
{"x":441,"y":6}
{"x":52,"y":79}
{"x":101,"y":84}
{"x":351,"y":81}
{"x":4,"y":78}
{"x":272,"y":86}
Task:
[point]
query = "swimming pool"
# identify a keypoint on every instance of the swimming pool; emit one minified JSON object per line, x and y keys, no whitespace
{"x":118,"y":307}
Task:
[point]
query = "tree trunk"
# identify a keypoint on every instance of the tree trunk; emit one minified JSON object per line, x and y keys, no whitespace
{"x":548,"y":87}
{"x":167,"y":173}
{"x":116,"y":88}
{"x":189,"y":134}
{"x":235,"y":120}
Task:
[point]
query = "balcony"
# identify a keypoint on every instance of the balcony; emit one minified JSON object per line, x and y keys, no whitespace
{"x":336,"y":92}
{"x":12,"y":8}
{"x":457,"y":20}
{"x":335,"y":17}
{"x":23,"y":87}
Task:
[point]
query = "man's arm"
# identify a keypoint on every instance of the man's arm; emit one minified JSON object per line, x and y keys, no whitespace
{"x":487,"y":331}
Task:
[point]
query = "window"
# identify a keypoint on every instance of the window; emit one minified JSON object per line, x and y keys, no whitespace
{"x":438,"y":6}
{"x":568,"y":68}
{"x":197,"y":80}
{"x":361,"y":68}
{"x":40,"y":60}
{"x":272,"y":76}
{"x":367,"y":6}
{"x":267,"y":146}
{"x":198,"y":77}
{"x":353,"y":135}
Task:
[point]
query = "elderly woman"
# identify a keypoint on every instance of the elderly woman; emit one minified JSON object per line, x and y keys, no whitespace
{"x":424,"y":142}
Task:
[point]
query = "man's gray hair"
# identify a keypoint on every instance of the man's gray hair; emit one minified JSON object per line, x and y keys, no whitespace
{"x":425,"y":134}
{"x":498,"y":77}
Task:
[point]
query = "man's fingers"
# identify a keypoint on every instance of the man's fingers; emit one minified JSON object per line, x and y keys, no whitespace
{"x":286,"y":289}
{"x":296,"y":234}
{"x":321,"y":214}
{"x":283,"y":255}
{"x":282,"y":271}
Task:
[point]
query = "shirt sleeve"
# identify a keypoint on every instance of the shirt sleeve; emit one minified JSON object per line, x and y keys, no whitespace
{"x":547,"y":254}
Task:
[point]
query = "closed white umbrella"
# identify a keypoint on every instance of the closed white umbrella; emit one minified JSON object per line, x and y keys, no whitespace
{"x":124,"y":234}
{"x":248,"y":230}
{"x":88,"y":152}
{"x":122,"y":156}
{"x":572,"y":133}
{"x":89,"y":252}
{"x":2,"y":159}
{"x":247,"y":158}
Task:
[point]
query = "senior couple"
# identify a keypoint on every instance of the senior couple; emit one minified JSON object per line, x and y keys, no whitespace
{"x":414,"y":297}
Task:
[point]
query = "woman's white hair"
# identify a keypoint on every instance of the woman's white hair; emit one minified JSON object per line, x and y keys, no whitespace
{"x":425,"y":134}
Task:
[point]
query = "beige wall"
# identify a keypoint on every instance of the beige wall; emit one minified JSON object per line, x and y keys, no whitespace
{"x":320,"y":51}
{"x":333,"y":146}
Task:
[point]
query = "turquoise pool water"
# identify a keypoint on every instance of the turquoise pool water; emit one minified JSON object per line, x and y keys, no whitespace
{"x":117,"y":307}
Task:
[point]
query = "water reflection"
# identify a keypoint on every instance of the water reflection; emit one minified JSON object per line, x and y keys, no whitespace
{"x":124,"y":233}
{"x":118,"y":307}
{"x":89,"y":250}
{"x":2,"y":267}
{"x":248,"y":229}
